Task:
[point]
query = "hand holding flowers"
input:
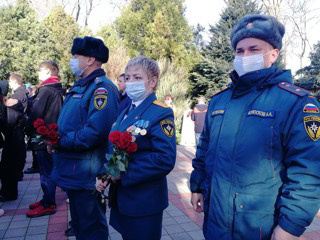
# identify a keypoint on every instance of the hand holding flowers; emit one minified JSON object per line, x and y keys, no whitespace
{"x":123,"y":145}
{"x":47,"y":134}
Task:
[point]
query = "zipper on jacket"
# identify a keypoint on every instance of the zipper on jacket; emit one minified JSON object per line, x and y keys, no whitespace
{"x":271,"y":157}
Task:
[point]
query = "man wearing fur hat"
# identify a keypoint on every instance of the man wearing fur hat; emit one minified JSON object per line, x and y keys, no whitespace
{"x":256,"y":170}
{"x":90,"y":109}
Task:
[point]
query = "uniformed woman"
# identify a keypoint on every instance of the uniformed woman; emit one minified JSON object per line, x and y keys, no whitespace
{"x":140,"y":194}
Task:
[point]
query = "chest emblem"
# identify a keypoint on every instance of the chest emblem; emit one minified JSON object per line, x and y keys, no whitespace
{"x":264,"y":114}
{"x":167,"y":127}
{"x":310,"y":108}
{"x":312,"y":127}
{"x":100,"y":101}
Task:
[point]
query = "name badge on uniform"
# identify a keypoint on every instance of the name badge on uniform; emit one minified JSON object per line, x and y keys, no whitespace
{"x":77,"y":95}
{"x":263,"y":114}
{"x":217,"y":112}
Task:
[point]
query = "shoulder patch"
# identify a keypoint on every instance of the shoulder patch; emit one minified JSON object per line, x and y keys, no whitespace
{"x":167,"y":127}
{"x":293,"y":89}
{"x":100,"y":101}
{"x":312,"y":127}
{"x":100,"y":91}
{"x":157,"y":102}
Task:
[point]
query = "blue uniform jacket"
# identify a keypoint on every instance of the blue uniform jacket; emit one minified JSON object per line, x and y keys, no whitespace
{"x":89,"y":110}
{"x":143,"y":188}
{"x":257,"y":163}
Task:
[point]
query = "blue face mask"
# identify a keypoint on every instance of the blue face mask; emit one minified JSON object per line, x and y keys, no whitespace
{"x":75,"y":67}
{"x":136,"y":90}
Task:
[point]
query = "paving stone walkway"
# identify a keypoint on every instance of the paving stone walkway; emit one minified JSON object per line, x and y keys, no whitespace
{"x":180,"y":222}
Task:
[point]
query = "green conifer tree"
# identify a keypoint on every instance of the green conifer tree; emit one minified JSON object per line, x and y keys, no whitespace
{"x":157,"y":29}
{"x":211,"y":74}
{"x":22,"y":41}
{"x":309,"y":76}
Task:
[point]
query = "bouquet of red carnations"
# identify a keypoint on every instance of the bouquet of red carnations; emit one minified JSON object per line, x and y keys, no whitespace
{"x":123,"y":145}
{"x":45,"y":132}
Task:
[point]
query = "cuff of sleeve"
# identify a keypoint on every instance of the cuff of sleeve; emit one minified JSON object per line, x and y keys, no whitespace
{"x":290,"y":227}
{"x":195,"y":181}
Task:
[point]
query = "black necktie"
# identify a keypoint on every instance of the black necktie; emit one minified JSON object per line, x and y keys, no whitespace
{"x":132,"y":107}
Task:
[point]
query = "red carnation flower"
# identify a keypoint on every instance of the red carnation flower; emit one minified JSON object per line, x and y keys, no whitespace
{"x":43,"y":130}
{"x":52,"y":135}
{"x":53,"y":127}
{"x":38,"y":122}
{"x":114,"y":137}
{"x":125,"y":140}
{"x":132,"y":147}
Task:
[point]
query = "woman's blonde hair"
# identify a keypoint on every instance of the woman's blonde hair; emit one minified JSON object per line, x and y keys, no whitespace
{"x":148,"y":64}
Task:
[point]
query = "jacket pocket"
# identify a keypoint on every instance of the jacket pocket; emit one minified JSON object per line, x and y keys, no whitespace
{"x":253,"y":217}
{"x":73,"y":165}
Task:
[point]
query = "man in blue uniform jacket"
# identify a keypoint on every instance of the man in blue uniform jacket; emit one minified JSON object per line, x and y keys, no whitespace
{"x":256,"y":170}
{"x":89,"y":110}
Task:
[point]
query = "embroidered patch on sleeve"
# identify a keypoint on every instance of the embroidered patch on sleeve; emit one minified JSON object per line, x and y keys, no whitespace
{"x":100,"y":101}
{"x":100,"y":91}
{"x":312,"y":127}
{"x":167,"y":127}
{"x":310,"y":108}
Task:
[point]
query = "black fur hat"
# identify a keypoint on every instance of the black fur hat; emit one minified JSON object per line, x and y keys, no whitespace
{"x":90,"y":47}
{"x":266,"y":28}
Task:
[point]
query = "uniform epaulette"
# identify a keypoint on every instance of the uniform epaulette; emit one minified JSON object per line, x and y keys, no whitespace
{"x":293,"y":89}
{"x":221,"y":91}
{"x":157,"y":102}
{"x":112,"y":88}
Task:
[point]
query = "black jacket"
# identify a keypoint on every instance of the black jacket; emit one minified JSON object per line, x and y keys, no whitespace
{"x":21,"y":94}
{"x":47,"y":105}
{"x":124,"y":101}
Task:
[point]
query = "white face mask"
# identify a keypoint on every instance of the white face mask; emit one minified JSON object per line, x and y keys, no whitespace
{"x":136,"y":90}
{"x":75,"y":67}
{"x":243,"y":65}
{"x":43,"y":74}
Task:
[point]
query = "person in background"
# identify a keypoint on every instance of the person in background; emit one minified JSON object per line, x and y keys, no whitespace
{"x":141,"y":194}
{"x":13,"y":113}
{"x":47,"y":105}
{"x":32,"y":89}
{"x":198,"y":115}
{"x":90,"y":109}
{"x":168,"y":100}
{"x":256,"y":170}
{"x":125,"y":101}
{"x":21,"y":94}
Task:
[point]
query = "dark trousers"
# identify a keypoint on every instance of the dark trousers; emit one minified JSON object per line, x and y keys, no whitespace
{"x":35,"y":164}
{"x":13,"y":156}
{"x":48,"y":187}
{"x":132,"y":228}
{"x":88,"y":215}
